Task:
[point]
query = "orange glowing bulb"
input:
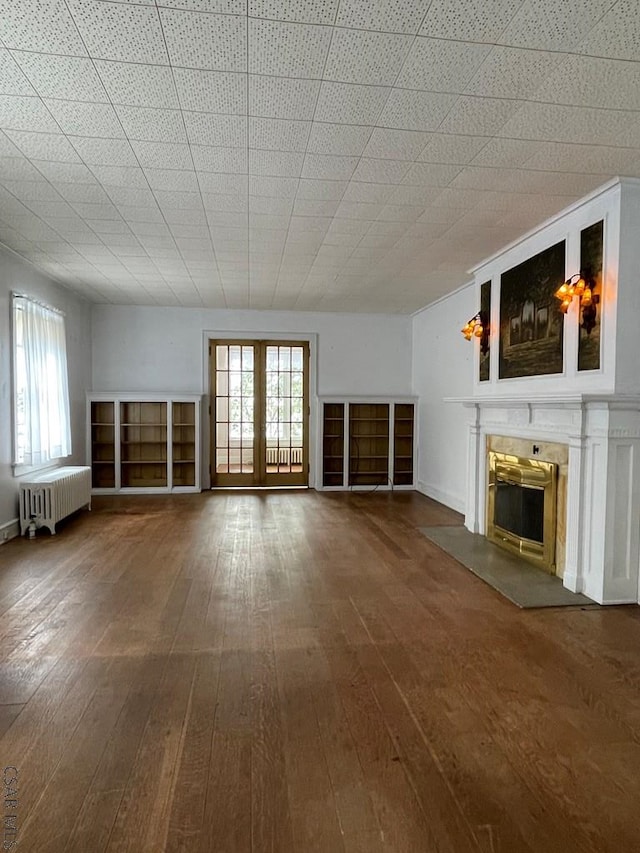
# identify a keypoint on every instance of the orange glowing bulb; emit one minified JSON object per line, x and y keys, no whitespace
{"x":564,"y":307}
{"x":479,"y":330}
{"x":586,"y":298}
{"x":580,"y":286}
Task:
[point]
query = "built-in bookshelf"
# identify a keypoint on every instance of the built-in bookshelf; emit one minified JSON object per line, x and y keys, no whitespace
{"x":333,"y":444}
{"x":403,"y":421}
{"x":183,"y":439}
{"x":144,"y":443}
{"x":368,"y":443}
{"x":103,"y":445}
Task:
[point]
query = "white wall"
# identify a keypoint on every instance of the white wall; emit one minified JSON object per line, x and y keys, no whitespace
{"x":443,"y":367}
{"x":154,"y":349}
{"x":22,"y":277}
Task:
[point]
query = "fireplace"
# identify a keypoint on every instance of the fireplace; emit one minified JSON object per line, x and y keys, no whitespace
{"x":521,"y":507}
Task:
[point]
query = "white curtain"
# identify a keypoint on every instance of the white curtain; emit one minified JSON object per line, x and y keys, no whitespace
{"x":43,"y":427}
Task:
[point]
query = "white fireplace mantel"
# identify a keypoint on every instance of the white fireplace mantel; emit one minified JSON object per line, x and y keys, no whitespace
{"x":603,"y":489}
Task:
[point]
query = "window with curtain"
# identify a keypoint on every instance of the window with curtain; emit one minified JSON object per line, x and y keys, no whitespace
{"x":41,"y":389}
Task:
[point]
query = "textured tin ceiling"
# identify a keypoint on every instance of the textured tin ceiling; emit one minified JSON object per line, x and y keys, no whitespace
{"x":340,"y":155}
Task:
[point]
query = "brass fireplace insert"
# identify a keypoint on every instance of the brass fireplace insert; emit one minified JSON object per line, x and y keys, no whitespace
{"x":521,"y":507}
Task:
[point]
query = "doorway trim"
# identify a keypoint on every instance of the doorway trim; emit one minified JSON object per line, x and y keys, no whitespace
{"x":311,"y":338}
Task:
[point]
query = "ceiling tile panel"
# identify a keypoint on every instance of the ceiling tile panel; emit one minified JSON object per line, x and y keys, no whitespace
{"x":208,"y":158}
{"x":452,"y":148}
{"x":617,"y":34}
{"x":339,"y":139}
{"x":44,"y":146}
{"x":84,"y":192}
{"x":549,"y":25}
{"x":40,"y":25}
{"x":368,"y":193}
{"x":576,"y":157}
{"x":119,"y":176}
{"x":555,"y":123}
{"x":82,"y":119}
{"x":32,"y":190}
{"x":513,"y":73}
{"x":396,"y":144}
{"x":12,"y":80}
{"x":7,"y":147}
{"x":267,"y":205}
{"x":104,"y":152}
{"x":431,"y":174}
{"x":270,"y":186}
{"x":227,"y":131}
{"x":439,"y":65}
{"x":278,"y":134}
{"x":356,"y":210}
{"x":315,"y":207}
{"x":301,"y":11}
{"x":321,"y":189}
{"x":275,"y":163}
{"x":20,"y":169}
{"x":506,"y":152}
{"x":221,"y":183}
{"x":26,"y":113}
{"x":369,"y":58}
{"x":139,"y":85}
{"x":158,"y":155}
{"x":381,"y":171}
{"x":343,"y":103}
{"x":120,"y":31}
{"x":391,"y":16}
{"x":413,"y":110}
{"x":65,"y":172}
{"x":280,"y":97}
{"x":328,"y":167}
{"x":172,"y":179}
{"x":473,"y":20}
{"x":589,"y":81}
{"x":69,"y":77}
{"x":179,"y":200}
{"x":418,"y":196}
{"x":197,"y":40}
{"x":221,"y":7}
{"x":152,"y":125}
{"x":287,"y":50}
{"x":479,"y":116}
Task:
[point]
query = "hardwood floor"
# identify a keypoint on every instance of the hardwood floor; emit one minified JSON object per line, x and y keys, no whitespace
{"x":295,"y":671}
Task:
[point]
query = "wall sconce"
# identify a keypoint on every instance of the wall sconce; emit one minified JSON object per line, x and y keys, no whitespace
{"x":580,"y":285}
{"x":478,"y":327}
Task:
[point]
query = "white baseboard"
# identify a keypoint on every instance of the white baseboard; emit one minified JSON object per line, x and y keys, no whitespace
{"x":446,"y":498}
{"x":9,"y":530}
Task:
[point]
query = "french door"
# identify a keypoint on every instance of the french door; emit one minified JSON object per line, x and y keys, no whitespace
{"x":259,"y":413}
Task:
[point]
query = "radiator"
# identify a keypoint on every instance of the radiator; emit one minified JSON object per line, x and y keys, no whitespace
{"x":50,"y":497}
{"x":284,"y":456}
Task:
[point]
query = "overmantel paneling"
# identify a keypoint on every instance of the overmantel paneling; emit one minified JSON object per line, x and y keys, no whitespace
{"x":604,"y":204}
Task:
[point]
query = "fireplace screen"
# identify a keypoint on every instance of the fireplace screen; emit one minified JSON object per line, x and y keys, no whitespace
{"x":521,"y":507}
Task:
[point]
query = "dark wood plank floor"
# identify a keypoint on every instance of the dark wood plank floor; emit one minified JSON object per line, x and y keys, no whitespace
{"x":296,"y":672}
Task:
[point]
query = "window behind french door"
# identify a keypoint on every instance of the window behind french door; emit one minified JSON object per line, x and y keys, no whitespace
{"x":260,"y":413}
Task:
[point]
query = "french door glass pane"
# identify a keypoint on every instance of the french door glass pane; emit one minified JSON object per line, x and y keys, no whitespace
{"x":234,"y":409}
{"x":284,"y":409}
